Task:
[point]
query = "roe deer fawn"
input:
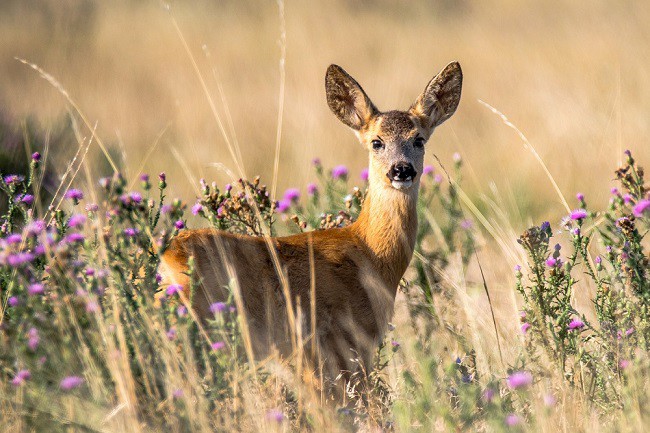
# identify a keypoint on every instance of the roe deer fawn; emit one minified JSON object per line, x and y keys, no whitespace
{"x":350,"y":274}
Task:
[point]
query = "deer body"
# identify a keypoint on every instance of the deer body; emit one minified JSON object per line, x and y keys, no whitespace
{"x":357,"y":268}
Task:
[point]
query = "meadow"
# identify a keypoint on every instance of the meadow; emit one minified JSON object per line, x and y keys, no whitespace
{"x":526,"y":304}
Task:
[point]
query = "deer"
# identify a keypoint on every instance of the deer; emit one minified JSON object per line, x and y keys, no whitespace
{"x":349,"y":275}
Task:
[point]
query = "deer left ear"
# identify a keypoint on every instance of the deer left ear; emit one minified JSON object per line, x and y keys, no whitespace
{"x":440,"y":98}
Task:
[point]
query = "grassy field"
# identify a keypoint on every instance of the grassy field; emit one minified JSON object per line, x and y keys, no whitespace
{"x":554,"y":95}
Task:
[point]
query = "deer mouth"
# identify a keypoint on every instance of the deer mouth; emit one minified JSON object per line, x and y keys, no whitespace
{"x":401,"y":184}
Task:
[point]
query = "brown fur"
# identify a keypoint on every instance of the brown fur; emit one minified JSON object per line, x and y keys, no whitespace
{"x":357,"y":268}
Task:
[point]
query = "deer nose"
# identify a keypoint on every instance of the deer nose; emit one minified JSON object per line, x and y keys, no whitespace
{"x":402,"y":171}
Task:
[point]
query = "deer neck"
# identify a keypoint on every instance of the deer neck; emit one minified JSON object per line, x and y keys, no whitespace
{"x":387,"y":224}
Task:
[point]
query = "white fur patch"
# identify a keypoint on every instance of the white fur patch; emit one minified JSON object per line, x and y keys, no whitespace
{"x":402,"y":184}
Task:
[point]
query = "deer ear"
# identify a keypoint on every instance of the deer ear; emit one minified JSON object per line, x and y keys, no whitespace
{"x":440,"y":98}
{"x":346,"y":98}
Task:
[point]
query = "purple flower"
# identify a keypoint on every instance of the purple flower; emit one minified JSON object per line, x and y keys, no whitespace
{"x":428,"y":169}
{"x":524,"y":327}
{"x":292,"y":194}
{"x":364,"y":175}
{"x":71,"y":382}
{"x":15,"y":260}
{"x":36,"y":156}
{"x":130,"y":232}
{"x":437,"y":178}
{"x":144,"y":177}
{"x":488,"y":394}
{"x":218,"y":307}
{"x":20,"y":377}
{"x":551,"y":262}
{"x":13,"y":238}
{"x":27,"y":199}
{"x":316,"y":162}
{"x":162,"y":177}
{"x":35,"y":227}
{"x":519,"y":379}
{"x":576,"y":324}
{"x":340,"y":172}
{"x":178,"y":393}
{"x":171,"y":334}
{"x":105,"y":182}
{"x":165,"y":209}
{"x":512,"y":420}
{"x":92,"y":307}
{"x":598,"y":260}
{"x":92,"y":207}
{"x":179,"y":224}
{"x":466,"y":224}
{"x":283,"y":205}
{"x":228,"y":187}
{"x":196,"y":209}
{"x":135,"y":196}
{"x":580,"y":196}
{"x":643,"y":206}
{"x":76,"y":220}
{"x":74,"y":194}
{"x":33,"y":339}
{"x":74,"y":238}
{"x":629,"y":332}
{"x":578,"y":214}
{"x":13,"y":178}
{"x":36,"y":289}
{"x":173,"y":289}
{"x":13,"y":301}
{"x":181,"y":311}
{"x":312,"y":189}
{"x":549,"y":400}
{"x":218,"y":345}
{"x":395,"y":344}
{"x":275,"y":415}
{"x":627,"y":199}
{"x":624,"y":363}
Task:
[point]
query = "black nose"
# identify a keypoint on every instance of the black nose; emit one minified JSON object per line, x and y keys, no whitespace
{"x":402,"y":171}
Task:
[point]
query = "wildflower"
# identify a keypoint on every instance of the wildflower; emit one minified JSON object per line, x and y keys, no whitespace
{"x":13,"y":301}
{"x":549,"y":400}
{"x":20,"y":377}
{"x":18,"y":259}
{"x":312,"y":189}
{"x":316,"y":162}
{"x":36,"y":156}
{"x":36,"y":289}
{"x":292,"y":194}
{"x":218,"y":307}
{"x":457,"y":158}
{"x":623,"y":364}
{"x":643,"y":206}
{"x":171,"y":334}
{"x":364,"y":175}
{"x":92,"y":306}
{"x":428,"y":169}
{"x":33,"y":339}
{"x":162,"y":177}
{"x":76,"y":220}
{"x":197,"y":208}
{"x":105,"y":182}
{"x":395,"y":344}
{"x":13,"y":178}
{"x":517,"y":269}
{"x":340,"y":172}
{"x":578,"y":214}
{"x":519,"y":379}
{"x":178,"y":393}
{"x":130,"y":232}
{"x":135,"y":196}
{"x":218,"y":345}
{"x":13,"y":238}
{"x":27,"y":199}
{"x":283,"y":205}
{"x":466,"y":224}
{"x":580,"y":196}
{"x":576,"y":324}
{"x":228,"y":187}
{"x":598,"y":260}
{"x":627,"y":199}
{"x":488,"y":394}
{"x":35,"y":227}
{"x":575,"y":231}
{"x":179,"y":224}
{"x":92,"y":207}
{"x":629,"y":332}
{"x":437,"y":178}
{"x":614,"y":191}
{"x":74,"y":238}
{"x":173,"y":289}
{"x":275,"y":415}
{"x":71,"y":382}
{"x":74,"y":194}
{"x":524,"y":327}
{"x":512,"y":420}
{"x":551,"y":262}
{"x":165,"y":209}
{"x":181,"y":311}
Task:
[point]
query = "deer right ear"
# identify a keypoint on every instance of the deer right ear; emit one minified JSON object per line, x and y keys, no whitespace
{"x":346,"y":98}
{"x":441,"y":97}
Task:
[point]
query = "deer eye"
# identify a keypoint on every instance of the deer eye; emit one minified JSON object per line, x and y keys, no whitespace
{"x":377,"y":144}
{"x":418,"y":143}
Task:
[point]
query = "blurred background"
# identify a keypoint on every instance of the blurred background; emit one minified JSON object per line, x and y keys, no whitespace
{"x":572,"y":76}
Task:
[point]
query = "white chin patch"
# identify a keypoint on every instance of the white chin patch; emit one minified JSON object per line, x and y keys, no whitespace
{"x":402,"y":184}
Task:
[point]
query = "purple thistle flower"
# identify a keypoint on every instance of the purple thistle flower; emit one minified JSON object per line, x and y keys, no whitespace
{"x":519,"y":379}
{"x":92,"y":307}
{"x":178,"y":393}
{"x":488,"y":395}
{"x":512,"y":420}
{"x":578,"y":214}
{"x":218,"y":307}
{"x":36,"y":156}
{"x":173,"y":289}
{"x":340,"y":172}
{"x":144,"y":177}
{"x":614,"y":191}
{"x":71,"y":382}
{"x":13,"y":301}
{"x":179,"y":225}
{"x":13,"y":238}
{"x":275,"y":415}
{"x":312,"y":189}
{"x":74,"y":238}
{"x":624,"y":363}
{"x":517,"y":268}
{"x":181,"y":311}
{"x":598,"y":260}
{"x":364,"y":174}
{"x":36,"y":289}
{"x":643,"y":206}
{"x":524,"y":327}
{"x":135,"y":196}
{"x":575,"y":231}
{"x":15,"y":260}
{"x":576,"y":324}
{"x":228,"y":187}
{"x":27,"y":199}
{"x":197,"y":208}
{"x":218,"y":345}
{"x":162,"y":177}
{"x":627,"y":199}
{"x":466,"y":224}
{"x":551,"y":262}
{"x":580,"y":196}
{"x":549,"y":400}
{"x":316,"y":162}
{"x":292,"y":194}
{"x":428,"y":169}
{"x":130,"y":232}
{"x":165,"y":209}
{"x":33,"y":339}
{"x":20,"y":377}
{"x":35,"y":227}
{"x":629,"y":332}
{"x":13,"y":178}
{"x":76,"y":220}
{"x":74,"y":194}
{"x":437,"y":178}
{"x":395,"y":344}
{"x":92,"y":207}
{"x":171,"y":334}
{"x":283,"y":205}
